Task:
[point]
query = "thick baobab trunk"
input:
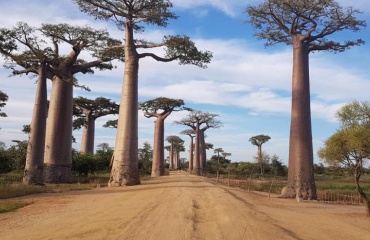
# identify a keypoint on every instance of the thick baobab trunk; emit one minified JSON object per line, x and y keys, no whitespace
{"x":197,"y":169}
{"x":202,"y":148}
{"x":301,"y":182}
{"x":175,"y":159}
{"x":58,"y":146}
{"x":33,"y":172}
{"x":158,"y":148}
{"x":170,"y":156}
{"x":191,"y":154}
{"x":88,"y":134}
{"x":125,"y":169}
{"x":260,"y":160}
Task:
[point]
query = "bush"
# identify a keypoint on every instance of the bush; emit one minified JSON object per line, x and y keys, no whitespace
{"x":83,"y":164}
{"x":5,"y":162}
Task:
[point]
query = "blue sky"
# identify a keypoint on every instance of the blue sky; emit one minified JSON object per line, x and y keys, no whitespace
{"x":248,"y":85}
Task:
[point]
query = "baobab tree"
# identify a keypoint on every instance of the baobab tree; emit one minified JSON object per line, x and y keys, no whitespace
{"x":175,"y":142}
{"x":306,"y":25}
{"x":195,"y":120}
{"x":160,"y":108}
{"x":206,"y":147}
{"x":218,"y":151}
{"x":3,"y":99}
{"x":90,"y":110}
{"x":57,"y":163}
{"x":21,"y":48}
{"x":45,"y":55}
{"x":131,"y":16}
{"x":258,"y":140}
{"x":191,"y":134}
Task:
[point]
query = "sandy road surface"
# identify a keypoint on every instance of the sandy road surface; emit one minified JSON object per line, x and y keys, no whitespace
{"x":179,"y":206}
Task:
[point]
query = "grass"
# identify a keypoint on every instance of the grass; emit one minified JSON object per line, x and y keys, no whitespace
{"x":11,"y":206}
{"x":345,"y":184}
{"x":340,"y":185}
{"x":11,"y":185}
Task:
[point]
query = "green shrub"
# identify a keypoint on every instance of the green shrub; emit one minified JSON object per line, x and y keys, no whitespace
{"x":5,"y":162}
{"x":83,"y":164}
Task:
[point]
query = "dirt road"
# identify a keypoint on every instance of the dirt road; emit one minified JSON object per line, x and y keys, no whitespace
{"x":179,"y":206}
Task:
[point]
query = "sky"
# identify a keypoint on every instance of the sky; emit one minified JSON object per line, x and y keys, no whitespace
{"x":248,"y":85}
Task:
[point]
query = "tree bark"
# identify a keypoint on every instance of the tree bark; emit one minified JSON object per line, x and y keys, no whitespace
{"x":170,"y":157}
{"x":197,"y":169}
{"x":175,"y":159}
{"x":88,"y":134}
{"x":191,"y":154}
{"x":33,"y":172}
{"x":259,"y":156}
{"x":158,"y":148}
{"x":58,"y":146}
{"x":125,"y":169}
{"x":301,"y":181}
{"x":203,"y":153}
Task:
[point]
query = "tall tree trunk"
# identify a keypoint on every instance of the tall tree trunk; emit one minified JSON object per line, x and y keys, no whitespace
{"x":178,"y":160}
{"x":197,"y":152}
{"x":125,"y":169}
{"x":58,"y":146}
{"x":259,"y":156}
{"x":203,"y":151}
{"x":158,"y":148}
{"x":33,"y":172}
{"x":191,"y":154}
{"x":88,"y":134}
{"x":175,"y":159}
{"x":301,"y":182}
{"x":170,"y":156}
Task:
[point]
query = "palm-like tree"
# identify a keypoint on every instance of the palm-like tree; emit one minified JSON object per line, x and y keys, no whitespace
{"x":258,"y":140}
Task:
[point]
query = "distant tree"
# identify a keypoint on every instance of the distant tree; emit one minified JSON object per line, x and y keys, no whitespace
{"x":3,"y":99}
{"x":132,"y":16}
{"x":258,"y":140}
{"x":225,"y":154}
{"x":104,"y":147}
{"x":319,"y":168}
{"x":306,"y":25}
{"x":159,"y":108}
{"x":90,"y":110}
{"x":111,"y":124}
{"x":218,"y":151}
{"x":17,"y":154}
{"x":26,"y":129}
{"x":191,"y":134}
{"x":195,"y":120}
{"x":2,"y":146}
{"x":145,"y":158}
{"x":277,"y":166}
{"x":175,"y":146}
{"x":103,"y":157}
